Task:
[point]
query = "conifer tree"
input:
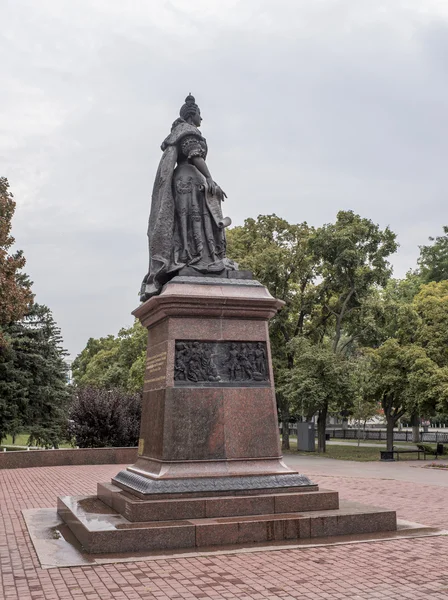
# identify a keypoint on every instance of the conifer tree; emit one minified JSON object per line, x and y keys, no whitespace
{"x":15,"y":288}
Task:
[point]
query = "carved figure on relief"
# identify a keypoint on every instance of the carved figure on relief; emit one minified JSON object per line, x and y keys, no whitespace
{"x":260,"y":359}
{"x":180,"y":365}
{"x":195,"y":362}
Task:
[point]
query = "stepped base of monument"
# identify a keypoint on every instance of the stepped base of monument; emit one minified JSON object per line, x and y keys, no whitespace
{"x":116,"y":521}
{"x":135,"y":509}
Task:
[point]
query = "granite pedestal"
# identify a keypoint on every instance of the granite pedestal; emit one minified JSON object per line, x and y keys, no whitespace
{"x":209,"y":467}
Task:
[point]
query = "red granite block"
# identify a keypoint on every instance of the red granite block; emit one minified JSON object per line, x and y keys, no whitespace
{"x":324,"y":526}
{"x":216,"y":534}
{"x":255,"y":531}
{"x":367,"y":522}
{"x":134,"y":540}
{"x":302,"y":501}
{"x":244,"y":330}
{"x":195,"y":329}
{"x":256,"y":409}
{"x":194,"y":424}
{"x":297,"y":528}
{"x":152,"y":423}
{"x":136,"y":510}
{"x":158,"y":333}
{"x":234,"y":506}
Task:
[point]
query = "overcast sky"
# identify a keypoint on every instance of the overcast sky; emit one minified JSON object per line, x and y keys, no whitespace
{"x":309,"y":106}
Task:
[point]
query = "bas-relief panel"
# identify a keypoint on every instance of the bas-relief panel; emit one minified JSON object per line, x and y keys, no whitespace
{"x":221,"y":364}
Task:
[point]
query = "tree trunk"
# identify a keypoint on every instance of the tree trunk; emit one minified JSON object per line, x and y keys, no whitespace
{"x":285,"y":427}
{"x":390,"y":434}
{"x":415,"y":422}
{"x":321,"y":427}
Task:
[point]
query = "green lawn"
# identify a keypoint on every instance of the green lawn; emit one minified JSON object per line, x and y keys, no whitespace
{"x":293,"y":438}
{"x":361,"y":454}
{"x":21,"y":440}
{"x":346,"y":452}
{"x":381,"y":443}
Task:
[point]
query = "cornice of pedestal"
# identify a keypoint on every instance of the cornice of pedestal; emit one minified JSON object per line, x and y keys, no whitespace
{"x":213,"y":300}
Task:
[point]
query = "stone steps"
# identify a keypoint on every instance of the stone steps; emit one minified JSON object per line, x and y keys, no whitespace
{"x":101,"y":529}
{"x":136,"y":509}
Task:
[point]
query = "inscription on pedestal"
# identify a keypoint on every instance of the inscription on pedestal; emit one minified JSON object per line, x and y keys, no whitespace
{"x":155,"y":370}
{"x":221,"y":364}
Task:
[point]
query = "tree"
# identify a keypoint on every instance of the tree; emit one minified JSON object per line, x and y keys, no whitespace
{"x":364,"y":406}
{"x":34,"y":379}
{"x":385,"y":313}
{"x":113,"y":362}
{"x":405,"y":380}
{"x":433,"y":260}
{"x":93,"y":347}
{"x":101,"y":418}
{"x":277,"y":253}
{"x":414,"y":315}
{"x":13,"y":392}
{"x":15,"y":288}
{"x":431,"y":326}
{"x":351,"y":255}
{"x":319,"y":380}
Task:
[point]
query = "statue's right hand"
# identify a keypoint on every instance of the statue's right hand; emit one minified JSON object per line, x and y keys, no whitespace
{"x":211,"y":186}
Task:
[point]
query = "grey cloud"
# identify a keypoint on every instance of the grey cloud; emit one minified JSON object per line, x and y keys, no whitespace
{"x":309,"y":107}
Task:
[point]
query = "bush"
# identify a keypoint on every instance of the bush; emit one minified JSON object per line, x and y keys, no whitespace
{"x":102,"y":418}
{"x":431,"y":449}
{"x":426,"y":448}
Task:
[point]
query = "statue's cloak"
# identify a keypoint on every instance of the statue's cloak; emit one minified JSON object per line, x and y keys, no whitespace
{"x":162,"y":214}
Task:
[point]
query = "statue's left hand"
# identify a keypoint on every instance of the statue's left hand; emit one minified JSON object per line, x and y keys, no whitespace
{"x":220,"y":193}
{"x":211,"y":186}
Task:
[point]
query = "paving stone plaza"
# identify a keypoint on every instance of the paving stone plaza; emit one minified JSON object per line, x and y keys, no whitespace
{"x":397,"y":569}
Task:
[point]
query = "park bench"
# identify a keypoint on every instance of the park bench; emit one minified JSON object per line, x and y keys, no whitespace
{"x":421,"y":449}
{"x":390,"y":454}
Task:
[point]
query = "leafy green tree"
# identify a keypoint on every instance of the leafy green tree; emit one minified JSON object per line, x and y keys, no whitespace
{"x":93,"y":347}
{"x":385,"y":313}
{"x":113,"y":362}
{"x":431,"y":327}
{"x":277,"y":253}
{"x":137,"y":373}
{"x":352,"y":258}
{"x":349,"y":260}
{"x":15,"y":288}
{"x":412,"y":314}
{"x":319,"y":380}
{"x":433,"y":260}
{"x":364,"y":406}
{"x":405,"y":380}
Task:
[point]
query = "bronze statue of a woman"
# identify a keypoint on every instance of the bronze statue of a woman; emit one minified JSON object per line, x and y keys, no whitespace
{"x":186,"y":225}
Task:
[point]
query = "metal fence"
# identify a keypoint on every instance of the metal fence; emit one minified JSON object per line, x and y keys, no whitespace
{"x":380,"y":434}
{"x":377,"y":434}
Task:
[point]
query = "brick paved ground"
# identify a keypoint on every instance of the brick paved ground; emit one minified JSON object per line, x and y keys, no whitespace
{"x":413,"y":569}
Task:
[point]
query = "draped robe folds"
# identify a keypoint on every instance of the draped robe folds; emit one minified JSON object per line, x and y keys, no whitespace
{"x":162,"y":235}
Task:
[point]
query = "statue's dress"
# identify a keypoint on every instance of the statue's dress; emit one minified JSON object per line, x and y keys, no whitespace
{"x":185,"y":222}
